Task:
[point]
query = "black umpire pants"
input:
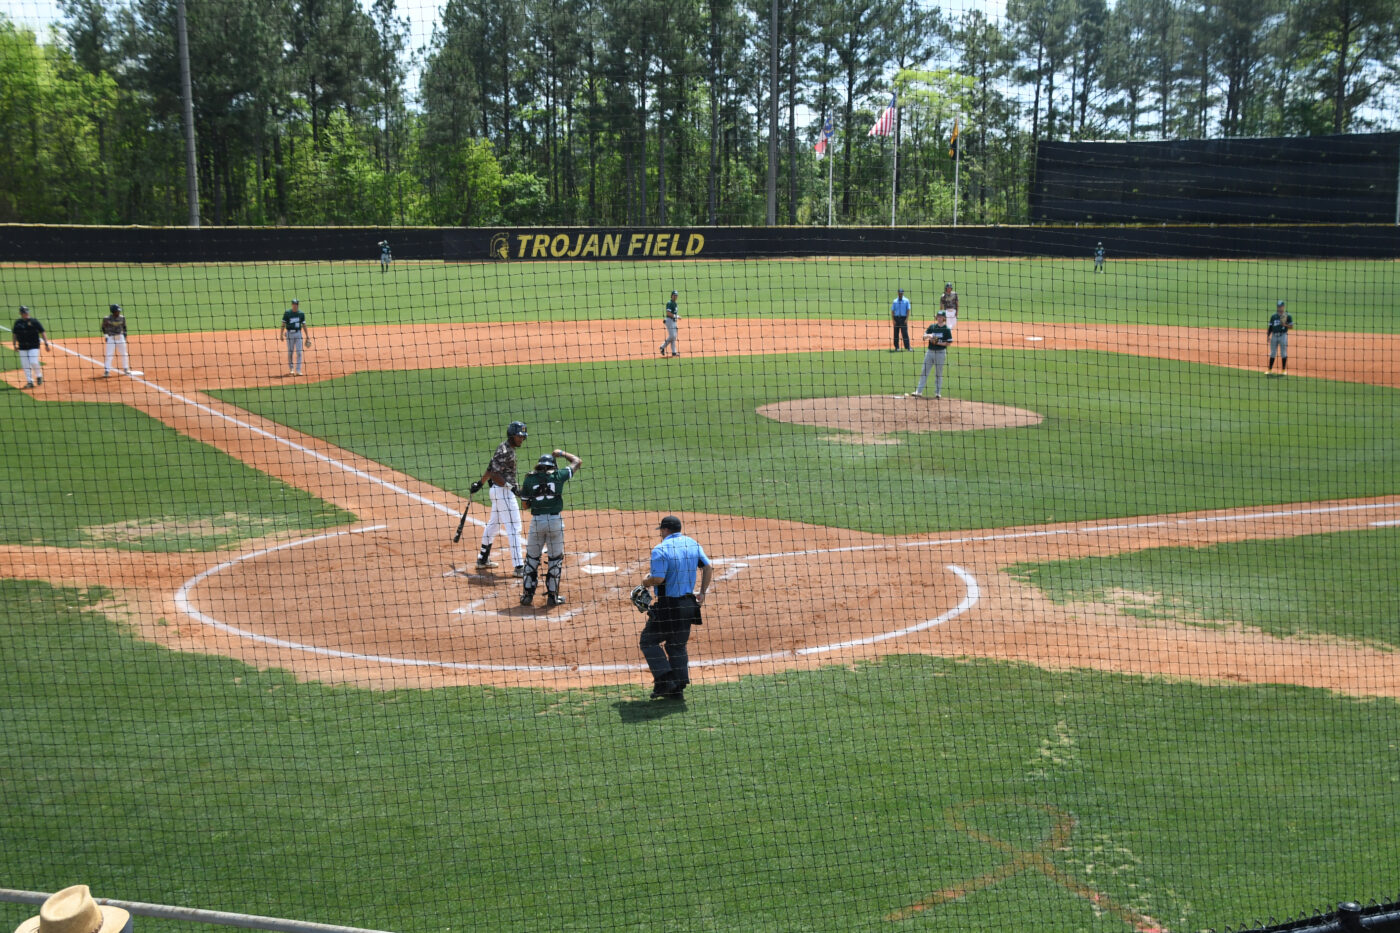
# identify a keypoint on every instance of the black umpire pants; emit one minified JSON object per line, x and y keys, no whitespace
{"x":665,"y":636}
{"x":901,"y":326}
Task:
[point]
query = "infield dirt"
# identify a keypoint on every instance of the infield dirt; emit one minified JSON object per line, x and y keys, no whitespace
{"x":391,"y":604}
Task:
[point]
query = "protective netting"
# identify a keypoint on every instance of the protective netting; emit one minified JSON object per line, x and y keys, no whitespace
{"x":1102,"y":637}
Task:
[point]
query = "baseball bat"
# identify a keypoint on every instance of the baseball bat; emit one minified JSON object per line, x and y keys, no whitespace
{"x":462,"y":523}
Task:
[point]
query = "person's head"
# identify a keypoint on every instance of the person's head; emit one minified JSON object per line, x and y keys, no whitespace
{"x":901,"y":293}
{"x":296,"y":305}
{"x":1279,"y":306}
{"x":669,"y":525}
{"x":24,"y":311}
{"x":675,"y":294}
{"x":947,"y":286}
{"x":516,"y":433}
{"x":114,"y":310}
{"x":545,"y":464}
{"x":942,"y":317}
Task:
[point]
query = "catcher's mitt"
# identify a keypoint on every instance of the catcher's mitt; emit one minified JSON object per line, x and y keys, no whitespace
{"x":641,"y":598}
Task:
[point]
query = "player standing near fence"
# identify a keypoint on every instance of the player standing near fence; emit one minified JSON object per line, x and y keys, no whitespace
{"x":673,"y":316}
{"x":543,"y":492}
{"x":1098,"y":258}
{"x":114,"y":336}
{"x":1279,"y":325}
{"x":386,"y":256}
{"x":294,"y":329}
{"x":28,"y":333}
{"x":505,"y":508}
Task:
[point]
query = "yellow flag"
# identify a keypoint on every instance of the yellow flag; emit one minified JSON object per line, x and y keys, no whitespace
{"x":953,"y":143}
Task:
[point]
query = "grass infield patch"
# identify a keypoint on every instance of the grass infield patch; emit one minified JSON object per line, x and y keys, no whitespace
{"x":102,"y":475}
{"x":1345,"y":584}
{"x":1120,"y":436}
{"x":809,"y":801}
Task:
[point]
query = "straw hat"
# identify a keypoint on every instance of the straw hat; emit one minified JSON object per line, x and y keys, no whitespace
{"x":73,"y":910}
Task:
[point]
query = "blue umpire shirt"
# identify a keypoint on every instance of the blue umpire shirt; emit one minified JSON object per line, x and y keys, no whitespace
{"x":676,"y":559}
{"x":900,"y":308}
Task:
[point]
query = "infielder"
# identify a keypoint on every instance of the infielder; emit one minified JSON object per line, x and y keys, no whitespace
{"x":505,"y":510}
{"x":673,"y":315}
{"x":114,"y":336}
{"x":28,"y":333}
{"x":939,"y":336}
{"x":948,"y":304}
{"x":1279,"y":325}
{"x":543,"y":492}
{"x":295,"y":331}
{"x":386,"y":256}
{"x":677,"y":607}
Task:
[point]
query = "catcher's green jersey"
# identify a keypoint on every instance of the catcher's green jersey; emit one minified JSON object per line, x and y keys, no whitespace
{"x":544,"y":492}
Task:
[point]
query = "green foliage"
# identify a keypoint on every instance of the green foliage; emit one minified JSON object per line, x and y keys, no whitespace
{"x":466,"y":184}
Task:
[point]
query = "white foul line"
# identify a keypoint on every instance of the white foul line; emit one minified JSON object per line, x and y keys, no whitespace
{"x":182,"y":601}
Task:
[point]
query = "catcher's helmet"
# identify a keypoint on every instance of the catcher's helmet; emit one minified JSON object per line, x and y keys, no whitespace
{"x":516,"y":429}
{"x":114,"y":309}
{"x":545,"y":464}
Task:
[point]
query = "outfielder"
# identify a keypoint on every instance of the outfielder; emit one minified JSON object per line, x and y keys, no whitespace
{"x":1279,"y":325}
{"x":1098,"y":258}
{"x":114,"y":336}
{"x":673,"y":315}
{"x":294,"y":329}
{"x":505,"y":510}
{"x":543,"y":492}
{"x":386,"y":256}
{"x":28,"y":333}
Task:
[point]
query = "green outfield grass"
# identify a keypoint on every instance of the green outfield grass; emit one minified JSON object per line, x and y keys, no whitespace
{"x":1122,"y":436}
{"x":94,"y":475}
{"x":808,"y":801}
{"x":1345,"y":584}
{"x":1322,"y":295}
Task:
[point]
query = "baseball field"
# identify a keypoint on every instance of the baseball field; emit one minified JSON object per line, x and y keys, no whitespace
{"x":1106,"y":638}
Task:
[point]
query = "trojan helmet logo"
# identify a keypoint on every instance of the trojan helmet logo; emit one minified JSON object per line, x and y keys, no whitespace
{"x":500,"y":246}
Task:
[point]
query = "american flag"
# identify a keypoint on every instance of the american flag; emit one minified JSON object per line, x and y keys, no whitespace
{"x":885,"y":125}
{"x":827,"y":133}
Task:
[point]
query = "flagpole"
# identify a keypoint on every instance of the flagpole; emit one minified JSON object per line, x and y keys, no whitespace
{"x":894,"y":172}
{"x":829,"y":160}
{"x":957,"y":164}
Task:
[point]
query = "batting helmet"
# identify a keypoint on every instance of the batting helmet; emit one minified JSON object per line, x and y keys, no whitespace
{"x":115,"y":309}
{"x":516,"y":429}
{"x":545,"y":464}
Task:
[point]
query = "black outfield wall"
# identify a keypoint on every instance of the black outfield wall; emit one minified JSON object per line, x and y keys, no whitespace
{"x":56,"y":244}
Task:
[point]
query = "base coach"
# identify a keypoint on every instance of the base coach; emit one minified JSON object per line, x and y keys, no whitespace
{"x":674,"y":563}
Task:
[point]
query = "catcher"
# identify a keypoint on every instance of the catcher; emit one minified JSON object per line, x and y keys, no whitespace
{"x":676,"y":608}
{"x":543,"y":492}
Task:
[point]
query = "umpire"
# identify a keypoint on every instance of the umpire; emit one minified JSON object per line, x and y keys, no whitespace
{"x":677,"y":607}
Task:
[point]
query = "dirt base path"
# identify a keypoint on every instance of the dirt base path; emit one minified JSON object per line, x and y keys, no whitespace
{"x":390,"y":603}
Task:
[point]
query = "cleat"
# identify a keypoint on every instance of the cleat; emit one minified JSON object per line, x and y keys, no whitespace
{"x":528,"y":599}
{"x":519,"y":570}
{"x":552,"y":600}
{"x":486,"y":565}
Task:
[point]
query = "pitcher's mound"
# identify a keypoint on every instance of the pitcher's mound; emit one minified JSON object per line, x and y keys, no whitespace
{"x":871,"y":418}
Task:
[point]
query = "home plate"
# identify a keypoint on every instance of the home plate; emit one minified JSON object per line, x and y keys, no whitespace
{"x":597,"y":568}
